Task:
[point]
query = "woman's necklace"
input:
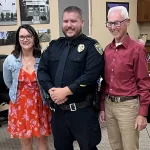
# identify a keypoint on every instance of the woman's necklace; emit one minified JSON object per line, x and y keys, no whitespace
{"x":26,"y":63}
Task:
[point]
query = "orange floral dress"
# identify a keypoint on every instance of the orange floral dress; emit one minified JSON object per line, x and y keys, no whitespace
{"x":28,"y":116}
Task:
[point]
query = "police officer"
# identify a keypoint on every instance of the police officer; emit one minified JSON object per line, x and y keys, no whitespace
{"x":68,"y":71}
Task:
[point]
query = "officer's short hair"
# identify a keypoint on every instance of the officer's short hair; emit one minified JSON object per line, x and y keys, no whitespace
{"x":74,"y":9}
{"x":122,"y":9}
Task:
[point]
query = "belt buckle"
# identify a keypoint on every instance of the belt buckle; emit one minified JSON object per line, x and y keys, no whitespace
{"x":117,"y":99}
{"x":73,"y":107}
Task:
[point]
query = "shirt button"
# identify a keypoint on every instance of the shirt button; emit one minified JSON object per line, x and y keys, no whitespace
{"x":111,"y":80}
{"x":113,"y":59}
{"x":110,"y":89}
{"x":112,"y":70}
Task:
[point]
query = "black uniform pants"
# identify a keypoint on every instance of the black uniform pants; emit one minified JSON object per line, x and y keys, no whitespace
{"x":81,"y":125}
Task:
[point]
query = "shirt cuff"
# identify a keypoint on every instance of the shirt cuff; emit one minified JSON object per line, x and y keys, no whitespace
{"x":48,"y":86}
{"x":72,"y":87}
{"x":102,"y":107}
{"x":143,"y":111}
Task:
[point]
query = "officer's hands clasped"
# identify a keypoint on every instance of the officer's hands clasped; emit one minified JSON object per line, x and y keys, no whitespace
{"x":59,"y":95}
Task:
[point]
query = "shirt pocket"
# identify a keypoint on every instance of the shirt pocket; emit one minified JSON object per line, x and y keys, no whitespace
{"x":53,"y":61}
{"x":78,"y":62}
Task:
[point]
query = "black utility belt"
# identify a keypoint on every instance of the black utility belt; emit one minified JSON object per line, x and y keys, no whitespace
{"x":75,"y":106}
{"x":121,"y":98}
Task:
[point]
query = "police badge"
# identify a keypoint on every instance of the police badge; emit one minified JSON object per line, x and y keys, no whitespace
{"x":81,"y":48}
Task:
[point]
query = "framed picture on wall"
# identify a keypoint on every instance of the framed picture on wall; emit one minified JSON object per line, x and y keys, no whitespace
{"x":143,"y":37}
{"x":8,"y":12}
{"x":34,"y":12}
{"x":44,"y":35}
{"x":113,"y":4}
{"x":7,"y":37}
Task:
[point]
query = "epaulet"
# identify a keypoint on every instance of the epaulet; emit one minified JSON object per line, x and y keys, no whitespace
{"x":91,"y":39}
{"x":45,"y":49}
{"x":94,"y":40}
{"x":52,"y":41}
{"x":57,"y":40}
{"x":61,"y":38}
{"x":96,"y":45}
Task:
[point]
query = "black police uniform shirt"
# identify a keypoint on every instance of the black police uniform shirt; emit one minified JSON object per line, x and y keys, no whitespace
{"x":84,"y":65}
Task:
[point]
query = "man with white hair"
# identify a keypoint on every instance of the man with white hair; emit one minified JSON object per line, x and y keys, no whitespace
{"x":127,"y":84}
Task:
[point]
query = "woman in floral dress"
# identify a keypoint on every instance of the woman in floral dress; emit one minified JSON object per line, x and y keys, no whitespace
{"x":29,"y":114}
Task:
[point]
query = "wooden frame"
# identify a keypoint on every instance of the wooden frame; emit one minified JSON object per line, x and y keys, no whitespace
{"x":113,"y":4}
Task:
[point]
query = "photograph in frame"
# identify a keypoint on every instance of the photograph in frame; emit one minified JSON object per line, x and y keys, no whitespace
{"x":8,"y":12}
{"x":44,"y":35}
{"x":34,"y":11}
{"x":7,"y":37}
{"x":113,"y":4}
{"x":143,"y":37}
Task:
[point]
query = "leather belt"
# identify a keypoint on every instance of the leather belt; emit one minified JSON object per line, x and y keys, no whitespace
{"x":121,"y":98}
{"x":75,"y":106}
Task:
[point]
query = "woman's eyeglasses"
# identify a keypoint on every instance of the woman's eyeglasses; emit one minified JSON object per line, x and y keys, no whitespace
{"x":28,"y":37}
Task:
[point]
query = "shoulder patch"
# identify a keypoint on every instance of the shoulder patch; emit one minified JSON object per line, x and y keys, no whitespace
{"x":99,"y":48}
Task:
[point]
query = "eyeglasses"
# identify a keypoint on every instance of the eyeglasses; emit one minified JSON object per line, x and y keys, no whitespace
{"x":28,"y":37}
{"x":116,"y":24}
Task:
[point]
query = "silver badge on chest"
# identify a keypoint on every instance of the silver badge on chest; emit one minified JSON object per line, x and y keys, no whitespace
{"x":81,"y":48}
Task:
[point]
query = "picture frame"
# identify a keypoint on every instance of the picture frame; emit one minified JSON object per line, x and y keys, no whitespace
{"x":8,"y":12}
{"x":143,"y":37}
{"x":7,"y":38}
{"x":34,"y":12}
{"x":44,"y":35}
{"x":113,"y":4}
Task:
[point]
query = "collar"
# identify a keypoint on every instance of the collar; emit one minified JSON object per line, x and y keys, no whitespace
{"x":37,"y":60}
{"x":75,"y":41}
{"x":124,"y":44}
{"x":19,"y":58}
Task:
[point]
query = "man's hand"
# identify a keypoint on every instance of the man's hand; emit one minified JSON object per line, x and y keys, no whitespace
{"x":59,"y":95}
{"x":51,"y":93}
{"x":140,"y":123}
{"x":102,"y":116}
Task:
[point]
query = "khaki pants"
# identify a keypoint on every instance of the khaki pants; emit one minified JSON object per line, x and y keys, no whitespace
{"x":120,"y":122}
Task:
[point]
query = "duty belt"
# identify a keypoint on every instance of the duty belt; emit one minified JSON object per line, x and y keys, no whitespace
{"x":121,"y":98}
{"x":75,"y":106}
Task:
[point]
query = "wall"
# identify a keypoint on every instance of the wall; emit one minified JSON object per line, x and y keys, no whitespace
{"x":83,"y":4}
{"x":98,"y":30}
{"x":53,"y":26}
